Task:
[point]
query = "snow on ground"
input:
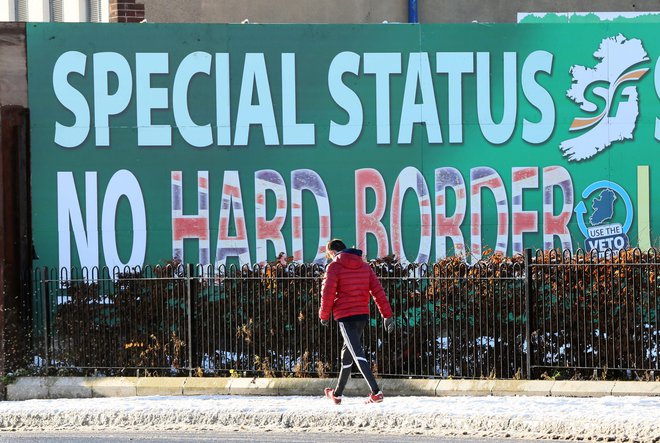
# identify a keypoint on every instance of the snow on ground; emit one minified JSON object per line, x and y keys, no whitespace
{"x":597,"y":419}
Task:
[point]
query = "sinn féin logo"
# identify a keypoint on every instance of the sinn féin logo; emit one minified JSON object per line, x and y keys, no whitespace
{"x":616,"y":121}
{"x":604,"y":232}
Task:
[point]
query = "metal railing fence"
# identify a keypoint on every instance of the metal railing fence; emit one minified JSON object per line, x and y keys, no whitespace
{"x":596,"y":312}
{"x":515,"y":317}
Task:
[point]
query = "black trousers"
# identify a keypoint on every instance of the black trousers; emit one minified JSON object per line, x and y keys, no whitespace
{"x":352,"y":351}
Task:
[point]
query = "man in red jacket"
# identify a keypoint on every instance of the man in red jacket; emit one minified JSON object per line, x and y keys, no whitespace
{"x":347,"y":286}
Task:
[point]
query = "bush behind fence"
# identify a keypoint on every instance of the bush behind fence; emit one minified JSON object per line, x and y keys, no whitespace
{"x":520,"y":317}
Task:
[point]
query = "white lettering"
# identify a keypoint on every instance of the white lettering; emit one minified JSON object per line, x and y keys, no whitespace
{"x":148,"y":98}
{"x":656,"y":80}
{"x":419,"y":73}
{"x":72,"y":99}
{"x":346,"y":98}
{"x":194,"y":63}
{"x":255,"y":79}
{"x":382,"y":65}
{"x":539,"y":97}
{"x":455,"y":64}
{"x":69,"y":217}
{"x":223,"y":104}
{"x":293,"y":133}
{"x":106,"y":104}
{"x":124,"y":183}
{"x":497,"y":133}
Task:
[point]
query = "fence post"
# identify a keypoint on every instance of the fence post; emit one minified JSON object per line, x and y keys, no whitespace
{"x":189,"y":307}
{"x":528,"y":310}
{"x":45,"y":306}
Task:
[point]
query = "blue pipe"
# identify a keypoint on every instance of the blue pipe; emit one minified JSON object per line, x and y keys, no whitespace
{"x":412,"y":11}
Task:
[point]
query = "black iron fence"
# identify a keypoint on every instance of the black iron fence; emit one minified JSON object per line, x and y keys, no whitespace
{"x":591,"y":312}
{"x":521,"y":317}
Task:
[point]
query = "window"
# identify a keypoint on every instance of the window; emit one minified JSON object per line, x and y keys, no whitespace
{"x":93,"y":10}
{"x":56,"y":10}
{"x":21,"y":8}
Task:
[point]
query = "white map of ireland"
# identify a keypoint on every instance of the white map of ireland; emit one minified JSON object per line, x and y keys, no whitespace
{"x":616,"y":55}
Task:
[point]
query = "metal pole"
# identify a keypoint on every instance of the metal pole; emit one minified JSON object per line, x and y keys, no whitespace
{"x":412,"y":11}
{"x":189,"y":301}
{"x":528,"y":310}
{"x":45,"y":312}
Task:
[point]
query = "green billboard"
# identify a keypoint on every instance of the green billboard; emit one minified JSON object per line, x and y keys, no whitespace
{"x":218,"y":144}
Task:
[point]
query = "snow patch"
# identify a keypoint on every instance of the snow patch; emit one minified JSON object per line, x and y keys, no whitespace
{"x":523,"y":417}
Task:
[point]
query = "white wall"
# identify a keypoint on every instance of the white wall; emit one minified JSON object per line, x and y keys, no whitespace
{"x":6,"y":10}
{"x":38,"y":10}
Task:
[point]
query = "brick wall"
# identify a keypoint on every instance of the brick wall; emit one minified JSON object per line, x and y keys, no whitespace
{"x":126,"y":11}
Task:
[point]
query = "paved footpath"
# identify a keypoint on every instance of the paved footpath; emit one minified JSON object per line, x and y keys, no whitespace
{"x":587,"y":411}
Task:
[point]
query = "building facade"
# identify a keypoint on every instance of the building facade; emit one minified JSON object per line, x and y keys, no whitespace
{"x":299,"y":11}
{"x":371,"y":11}
{"x":100,"y":11}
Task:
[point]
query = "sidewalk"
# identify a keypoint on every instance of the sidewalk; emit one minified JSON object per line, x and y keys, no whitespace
{"x":92,"y":387}
{"x":488,"y":411}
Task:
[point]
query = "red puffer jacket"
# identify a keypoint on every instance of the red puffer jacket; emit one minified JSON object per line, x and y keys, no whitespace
{"x":347,"y":284}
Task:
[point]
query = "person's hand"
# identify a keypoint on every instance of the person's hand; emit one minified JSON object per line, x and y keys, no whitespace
{"x":325,"y":323}
{"x":389,"y":325}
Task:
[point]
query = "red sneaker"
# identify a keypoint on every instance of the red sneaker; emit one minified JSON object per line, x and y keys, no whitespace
{"x":330,"y":393}
{"x":375,"y":398}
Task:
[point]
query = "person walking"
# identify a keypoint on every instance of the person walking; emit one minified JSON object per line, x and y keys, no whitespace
{"x":347,"y":286}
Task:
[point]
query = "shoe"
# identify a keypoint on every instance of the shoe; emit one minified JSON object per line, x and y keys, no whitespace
{"x":375,"y":398}
{"x":330,"y":393}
